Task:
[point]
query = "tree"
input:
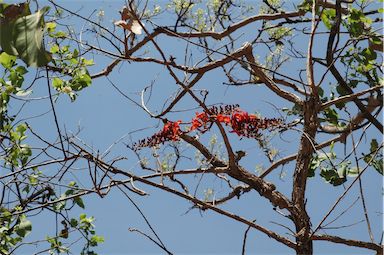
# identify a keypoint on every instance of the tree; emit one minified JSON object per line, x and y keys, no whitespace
{"x":317,"y":65}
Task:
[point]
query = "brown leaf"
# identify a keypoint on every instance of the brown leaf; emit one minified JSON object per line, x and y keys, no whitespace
{"x":133,"y":26}
{"x":123,"y":24}
{"x":136,"y":27}
{"x":125,"y":13}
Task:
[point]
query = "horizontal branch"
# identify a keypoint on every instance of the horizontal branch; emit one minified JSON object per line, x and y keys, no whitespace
{"x":373,"y":103}
{"x":45,"y":163}
{"x":349,"y":242}
{"x":188,"y":171}
{"x":289,"y":158}
{"x":347,"y":98}
{"x":234,"y":27}
{"x":236,"y":192}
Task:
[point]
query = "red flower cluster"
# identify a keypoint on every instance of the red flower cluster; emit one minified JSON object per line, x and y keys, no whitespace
{"x":200,"y":122}
{"x":203,"y":121}
{"x":241,"y":122}
{"x":248,"y":125}
{"x":171,"y":132}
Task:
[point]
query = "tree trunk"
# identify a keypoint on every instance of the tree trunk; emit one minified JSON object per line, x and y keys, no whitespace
{"x":301,"y":218}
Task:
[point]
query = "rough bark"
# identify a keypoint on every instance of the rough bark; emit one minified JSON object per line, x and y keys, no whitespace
{"x":301,"y":218}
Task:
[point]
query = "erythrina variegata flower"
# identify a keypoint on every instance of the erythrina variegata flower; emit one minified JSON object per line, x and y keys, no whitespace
{"x":170,"y":132}
{"x":241,"y":122}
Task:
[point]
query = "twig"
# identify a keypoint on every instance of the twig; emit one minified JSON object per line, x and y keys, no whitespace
{"x":245,"y":239}
{"x":54,"y":113}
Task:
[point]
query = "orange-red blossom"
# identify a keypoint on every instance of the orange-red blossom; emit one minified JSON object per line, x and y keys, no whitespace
{"x":241,"y":122}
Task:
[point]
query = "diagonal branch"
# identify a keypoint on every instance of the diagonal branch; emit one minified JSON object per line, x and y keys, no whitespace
{"x":264,"y":188}
{"x":258,"y":72}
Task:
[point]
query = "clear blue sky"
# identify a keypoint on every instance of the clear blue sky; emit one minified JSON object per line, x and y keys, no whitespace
{"x":105,"y":116}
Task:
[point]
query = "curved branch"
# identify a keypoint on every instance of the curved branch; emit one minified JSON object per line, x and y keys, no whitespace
{"x":258,"y":72}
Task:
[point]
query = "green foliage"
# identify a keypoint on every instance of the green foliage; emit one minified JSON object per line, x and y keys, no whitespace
{"x":71,"y":192}
{"x":56,"y":246}
{"x":7,"y":61}
{"x":93,"y":240}
{"x":357,"y":23}
{"x":327,"y":16}
{"x":83,"y":224}
{"x":13,"y":229}
{"x":10,"y":84}
{"x":24,"y":227}
{"x":73,"y":65}
{"x":278,"y":33}
{"x":375,"y":156}
{"x":22,"y":35}
{"x":331,"y":170}
{"x":295,"y":110}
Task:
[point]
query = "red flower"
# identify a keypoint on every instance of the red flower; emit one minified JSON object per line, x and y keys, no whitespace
{"x":242,"y":123}
{"x":171,"y":130}
{"x":253,"y":117}
{"x":200,"y":120}
{"x":176,"y":130}
{"x":223,"y":118}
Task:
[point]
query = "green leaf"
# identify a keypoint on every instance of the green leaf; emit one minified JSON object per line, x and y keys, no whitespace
{"x":374,"y":145}
{"x":369,"y":54}
{"x":327,"y":17}
{"x":21,"y":128}
{"x":59,"y":206}
{"x":81,"y":79}
{"x":73,"y":222}
{"x":59,"y":34}
{"x":33,"y":179}
{"x":72,"y":184}
{"x":343,"y":170}
{"x":54,"y":49}
{"x":23,"y":37}
{"x":57,"y":83}
{"x":24,"y":227}
{"x":6,"y":60}
{"x":341,"y":90}
{"x":332,"y":176}
{"x":378,"y":165}
{"x":50,"y":26}
{"x":321,"y":91}
{"x":95,"y":240}
{"x":315,"y":163}
{"x":88,"y":62}
{"x":353,"y":171}
{"x":332,"y":115}
{"x":79,"y":202}
{"x":375,"y":40}
{"x":82,"y":216}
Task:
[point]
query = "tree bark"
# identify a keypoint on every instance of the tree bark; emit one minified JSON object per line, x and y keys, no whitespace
{"x":300,"y":218}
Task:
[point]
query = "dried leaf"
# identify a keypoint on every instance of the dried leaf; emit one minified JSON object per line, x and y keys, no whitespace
{"x":136,"y":27}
